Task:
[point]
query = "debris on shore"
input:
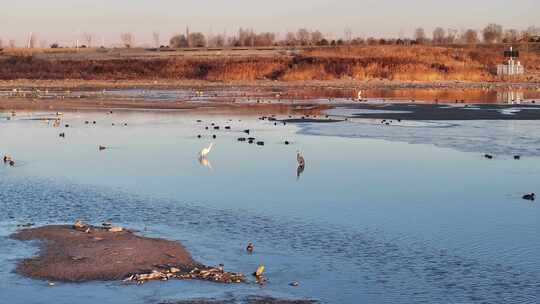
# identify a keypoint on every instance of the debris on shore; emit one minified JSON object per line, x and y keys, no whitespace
{"x":207,"y":274}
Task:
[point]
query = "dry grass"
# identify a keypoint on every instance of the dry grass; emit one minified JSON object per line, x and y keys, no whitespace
{"x":399,"y":63}
{"x":24,"y":52}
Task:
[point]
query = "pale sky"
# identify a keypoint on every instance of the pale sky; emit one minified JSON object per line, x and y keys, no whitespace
{"x":66,"y":20}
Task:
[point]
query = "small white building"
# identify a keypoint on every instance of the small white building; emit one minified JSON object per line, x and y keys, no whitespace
{"x":510,"y":97}
{"x":512,"y":66}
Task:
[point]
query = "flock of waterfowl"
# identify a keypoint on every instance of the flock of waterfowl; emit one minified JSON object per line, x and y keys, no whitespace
{"x":203,"y":153}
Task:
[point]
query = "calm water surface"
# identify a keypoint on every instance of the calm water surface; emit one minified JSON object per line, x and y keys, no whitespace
{"x":402,"y":214}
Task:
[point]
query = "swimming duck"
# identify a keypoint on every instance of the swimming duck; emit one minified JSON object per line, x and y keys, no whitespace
{"x":259,"y":272}
{"x":250,"y":247}
{"x":529,"y":197}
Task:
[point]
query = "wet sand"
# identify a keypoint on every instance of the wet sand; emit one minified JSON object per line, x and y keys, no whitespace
{"x":73,"y":255}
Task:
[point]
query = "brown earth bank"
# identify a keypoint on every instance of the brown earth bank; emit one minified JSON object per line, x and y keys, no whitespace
{"x":254,"y":85}
{"x":396,"y":63}
{"x":214,"y":107}
{"x":78,"y":254}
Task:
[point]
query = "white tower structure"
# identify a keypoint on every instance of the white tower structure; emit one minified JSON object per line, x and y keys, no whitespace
{"x":512,"y":66}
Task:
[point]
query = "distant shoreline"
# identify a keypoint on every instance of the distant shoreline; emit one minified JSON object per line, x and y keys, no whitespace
{"x":201,"y":84}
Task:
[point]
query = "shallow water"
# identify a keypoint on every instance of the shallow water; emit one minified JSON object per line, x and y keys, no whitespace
{"x":285,"y":94}
{"x":398,"y":214}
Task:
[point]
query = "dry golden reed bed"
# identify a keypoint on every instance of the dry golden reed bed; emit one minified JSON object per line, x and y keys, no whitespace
{"x":395,"y":63}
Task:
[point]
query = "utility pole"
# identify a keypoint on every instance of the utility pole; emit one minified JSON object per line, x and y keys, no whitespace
{"x":29,"y":40}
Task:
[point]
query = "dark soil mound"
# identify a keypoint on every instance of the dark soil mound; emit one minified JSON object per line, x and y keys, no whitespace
{"x":68,"y":254}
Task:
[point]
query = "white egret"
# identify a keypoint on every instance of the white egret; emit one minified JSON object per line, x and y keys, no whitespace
{"x":204,"y":152}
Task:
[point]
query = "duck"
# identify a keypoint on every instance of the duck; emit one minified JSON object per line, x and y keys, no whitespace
{"x":259,"y":272}
{"x":300,"y":159}
{"x":250,"y":247}
{"x":529,"y":197}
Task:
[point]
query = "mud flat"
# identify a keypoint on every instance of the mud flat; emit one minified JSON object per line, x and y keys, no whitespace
{"x":99,"y":253}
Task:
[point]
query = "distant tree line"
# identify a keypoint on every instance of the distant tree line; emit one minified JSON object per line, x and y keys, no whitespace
{"x":491,"y":34}
{"x":249,"y":38}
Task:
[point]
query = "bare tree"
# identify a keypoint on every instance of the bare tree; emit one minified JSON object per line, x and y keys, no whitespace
{"x":246,"y":37}
{"x":493,"y":33}
{"x":290,"y":38}
{"x":511,"y":35}
{"x":197,"y":39}
{"x":316,"y":37}
{"x":155,"y":37}
{"x":439,"y":35}
{"x":303,"y":36}
{"x":32,"y":41}
{"x":179,"y":41}
{"x":88,"y":39}
{"x":217,"y":41}
{"x":533,"y":30}
{"x":348,"y":35}
{"x":127,"y":39}
{"x":530,"y":33}
{"x":470,"y":36}
{"x":451,"y":36}
{"x":420,"y":35}
{"x":265,"y":39}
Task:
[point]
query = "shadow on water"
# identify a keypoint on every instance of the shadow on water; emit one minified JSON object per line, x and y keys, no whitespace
{"x":299,"y":171}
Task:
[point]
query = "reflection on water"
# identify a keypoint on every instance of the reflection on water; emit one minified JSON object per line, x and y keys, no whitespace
{"x":284,"y":94}
{"x":510,"y":97}
{"x":299,"y":171}
{"x":205,"y":162}
{"x":374,"y":221}
{"x":472,"y":95}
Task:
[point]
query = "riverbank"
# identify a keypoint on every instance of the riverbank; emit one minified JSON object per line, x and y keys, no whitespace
{"x":362,"y":63}
{"x":79,"y":84}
